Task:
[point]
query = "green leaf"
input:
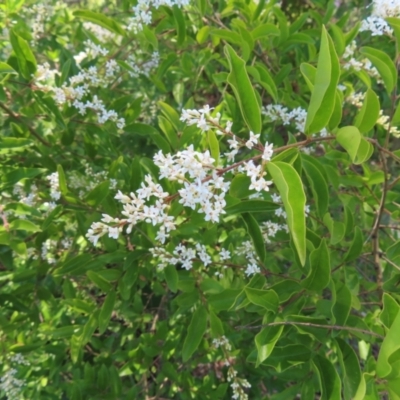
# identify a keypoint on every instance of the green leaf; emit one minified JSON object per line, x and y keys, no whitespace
{"x":89,"y":328}
{"x":318,"y":184}
{"x":266,"y":81}
{"x":239,"y":187}
{"x":152,"y":133}
{"x":98,"y":194}
{"x":384,"y":64}
{"x":369,"y":112}
{"x":356,"y":246}
{"x":12,"y":142}
{"x":265,"y":341}
{"x":337,"y":229}
{"x":320,"y":269}
{"x":252,"y":206}
{"x":106,"y":311}
{"x":24,"y":225}
{"x":267,"y":299}
{"x":390,"y":345}
{"x":7,"y":69}
{"x":243,"y":90}
{"x":395,"y":24}
{"x":180,"y":24}
{"x":265,"y":30}
{"x":100,"y":19}
{"x":253,"y":228}
{"x":213,"y":145}
{"x":350,"y":369}
{"x":171,"y":114}
{"x":62,"y":183}
{"x":102,"y":283}
{"x":336,"y":116}
{"x":309,"y":72}
{"x":390,"y":310}
{"x":171,"y":276}
{"x":322,"y":101}
{"x":25,"y":57}
{"x":217,"y":330}
{"x":359,"y":149}
{"x":329,"y":380}
{"x":195,"y":332}
{"x":290,"y":187}
{"x":342,"y":306}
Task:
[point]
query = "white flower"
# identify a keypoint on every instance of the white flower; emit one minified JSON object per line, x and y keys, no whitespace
{"x":268,"y":152}
{"x":253,"y":140}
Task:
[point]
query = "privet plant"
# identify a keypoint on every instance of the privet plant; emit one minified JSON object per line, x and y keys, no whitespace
{"x":199,"y":199}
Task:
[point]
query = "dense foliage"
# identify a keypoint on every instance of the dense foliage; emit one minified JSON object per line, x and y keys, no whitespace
{"x":199,"y":200}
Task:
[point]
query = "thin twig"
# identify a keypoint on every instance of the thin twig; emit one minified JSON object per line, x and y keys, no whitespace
{"x":311,"y":325}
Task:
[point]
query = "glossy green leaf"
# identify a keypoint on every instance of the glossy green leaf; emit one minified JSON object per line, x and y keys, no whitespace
{"x":290,"y":187}
{"x":7,"y":69}
{"x":267,"y":299}
{"x":24,"y":225}
{"x":369,"y":112}
{"x":337,"y":229}
{"x":319,"y":186}
{"x":100,"y":19}
{"x":266,"y":81}
{"x":389,"y":346}
{"x":180,"y":24}
{"x":265,"y":341}
{"x":359,"y":149}
{"x":25,"y":57}
{"x":322,"y":101}
{"x":98,"y":194}
{"x":264,"y":30}
{"x":239,"y":187}
{"x":172,"y":278}
{"x":151,"y":132}
{"x":390,"y":310}
{"x":342,"y":306}
{"x":217,"y":330}
{"x":195,"y":332}
{"x":89,"y":328}
{"x":329,"y":380}
{"x":320,"y":268}
{"x":102,"y":283}
{"x":62,"y":182}
{"x":384,"y":64}
{"x":254,"y":231}
{"x":309,"y":72}
{"x":350,"y":369}
{"x":106,"y":311}
{"x":253,"y":206}
{"x":213,"y":145}
{"x":243,"y":90}
{"x":356,"y":245}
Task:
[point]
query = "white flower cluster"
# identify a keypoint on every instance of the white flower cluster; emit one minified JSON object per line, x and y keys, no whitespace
{"x":247,"y":250}
{"x":222,"y":342}
{"x":376,"y":23}
{"x":55,"y":193}
{"x":143,"y":15}
{"x":384,"y":120}
{"x":30,"y":198}
{"x":144,"y":68}
{"x":102,"y":34}
{"x":10,"y":385}
{"x":194,"y":169}
{"x":270,"y":229}
{"x":298,"y":116}
{"x":48,"y":251}
{"x":238,"y":385}
{"x":136,"y":210}
{"x":358,"y":65}
{"x":41,"y":13}
{"x":201,"y":118}
{"x":181,"y":255}
{"x":80,"y":84}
